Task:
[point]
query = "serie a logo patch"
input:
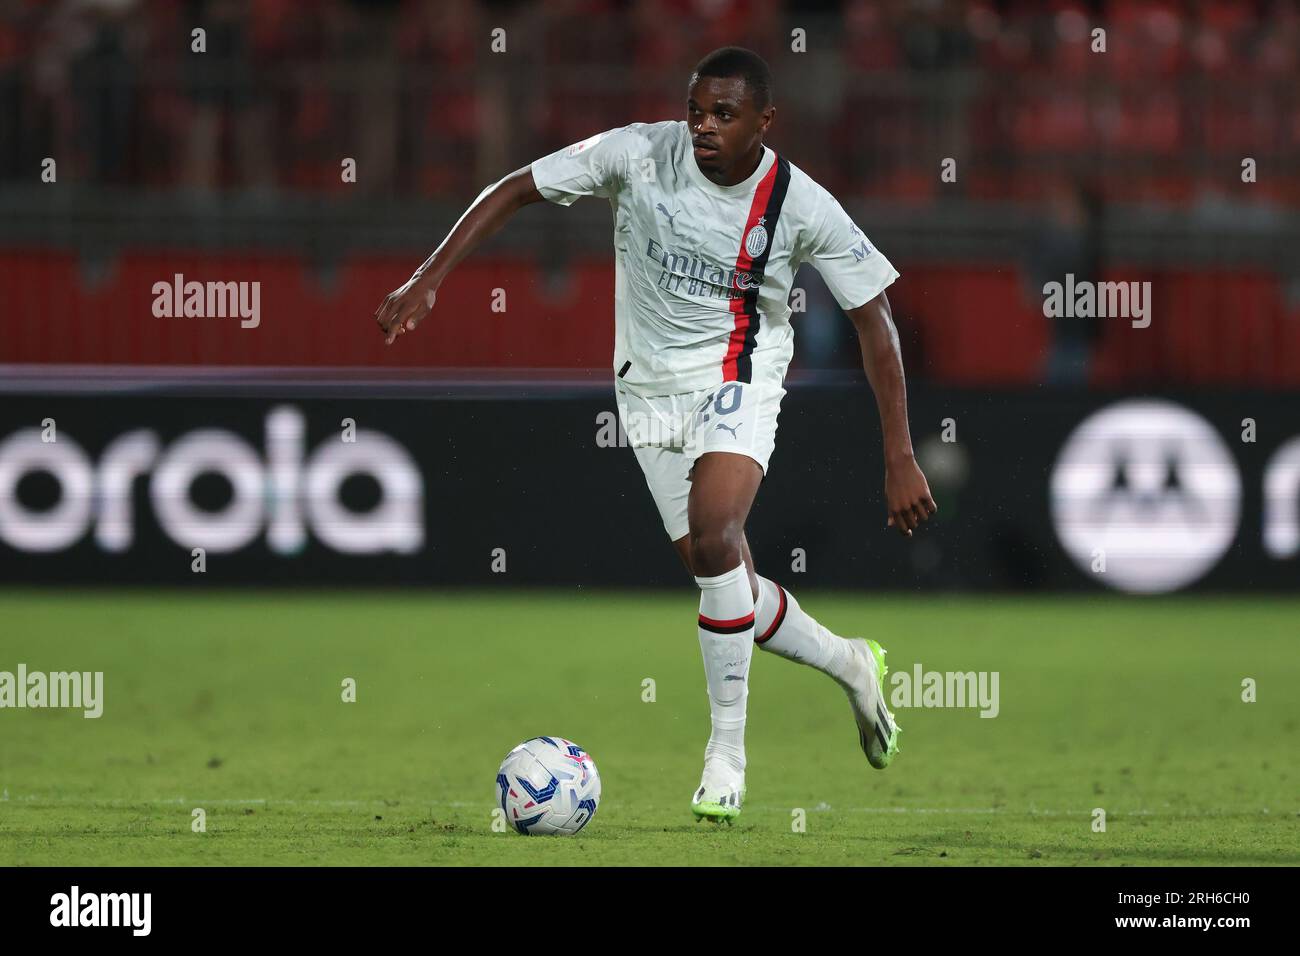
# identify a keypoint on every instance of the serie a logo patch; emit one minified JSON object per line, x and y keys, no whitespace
{"x":587,"y":143}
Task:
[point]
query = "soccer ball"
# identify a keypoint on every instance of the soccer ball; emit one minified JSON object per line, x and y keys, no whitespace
{"x":548,"y":785}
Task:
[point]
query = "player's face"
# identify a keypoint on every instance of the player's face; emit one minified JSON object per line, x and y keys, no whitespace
{"x":725,"y":127}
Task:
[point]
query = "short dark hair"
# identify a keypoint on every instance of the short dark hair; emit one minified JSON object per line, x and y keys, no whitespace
{"x":729,"y":61}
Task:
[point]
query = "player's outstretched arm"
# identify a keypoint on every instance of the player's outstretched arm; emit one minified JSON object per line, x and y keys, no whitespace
{"x":405,"y":306}
{"x":907,"y":493}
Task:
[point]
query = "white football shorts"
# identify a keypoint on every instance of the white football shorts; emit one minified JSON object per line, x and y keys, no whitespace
{"x":668,"y":432}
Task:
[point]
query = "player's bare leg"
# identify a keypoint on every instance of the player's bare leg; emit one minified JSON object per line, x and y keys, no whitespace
{"x":683,"y":547}
{"x":723,"y":486}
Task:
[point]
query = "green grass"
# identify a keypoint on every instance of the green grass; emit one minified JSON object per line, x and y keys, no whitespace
{"x":232,"y":702}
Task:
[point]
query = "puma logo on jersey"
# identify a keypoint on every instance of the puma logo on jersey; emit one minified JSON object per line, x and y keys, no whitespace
{"x":670,"y":216}
{"x":730,"y":428}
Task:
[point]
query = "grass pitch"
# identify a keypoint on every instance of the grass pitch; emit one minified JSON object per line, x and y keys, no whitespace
{"x":231,"y":703}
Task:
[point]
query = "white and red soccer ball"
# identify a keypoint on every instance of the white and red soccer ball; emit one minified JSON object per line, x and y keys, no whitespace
{"x":549,"y":786}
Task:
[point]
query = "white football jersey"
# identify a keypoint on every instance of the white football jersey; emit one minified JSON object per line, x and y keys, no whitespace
{"x":703,"y":272}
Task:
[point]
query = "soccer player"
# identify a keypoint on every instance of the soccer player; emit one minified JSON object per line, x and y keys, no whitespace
{"x":710,"y":226}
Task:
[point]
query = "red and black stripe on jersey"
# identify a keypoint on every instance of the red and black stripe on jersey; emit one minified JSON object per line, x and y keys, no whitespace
{"x":768,"y":199}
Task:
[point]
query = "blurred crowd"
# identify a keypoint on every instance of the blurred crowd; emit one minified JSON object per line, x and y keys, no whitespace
{"x":413,"y":90}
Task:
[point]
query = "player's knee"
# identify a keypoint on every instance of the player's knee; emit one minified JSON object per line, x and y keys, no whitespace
{"x":715,"y":551}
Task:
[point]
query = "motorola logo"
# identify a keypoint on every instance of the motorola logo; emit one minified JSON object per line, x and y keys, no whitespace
{"x":1149,"y":492}
{"x":279,"y":491}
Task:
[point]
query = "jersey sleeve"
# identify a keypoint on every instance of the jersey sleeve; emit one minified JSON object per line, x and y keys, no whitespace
{"x":854,"y":270}
{"x":597,"y":166}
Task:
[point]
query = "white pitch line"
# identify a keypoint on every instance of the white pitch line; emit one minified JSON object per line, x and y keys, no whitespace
{"x":391,"y":804}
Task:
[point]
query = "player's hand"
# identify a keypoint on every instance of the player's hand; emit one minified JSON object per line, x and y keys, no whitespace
{"x":908,"y":496}
{"x":405,"y":307}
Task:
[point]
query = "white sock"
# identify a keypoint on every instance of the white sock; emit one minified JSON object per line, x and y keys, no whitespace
{"x":726,"y":629}
{"x":784,"y":628}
